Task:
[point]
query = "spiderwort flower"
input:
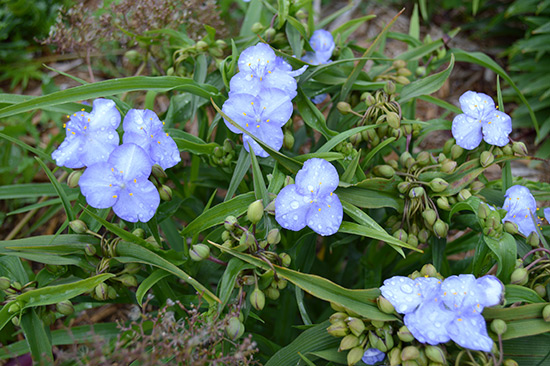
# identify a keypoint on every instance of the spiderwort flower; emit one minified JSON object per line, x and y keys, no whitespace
{"x":260,"y":68}
{"x":122,"y":183}
{"x":480,"y":120}
{"x":143,"y":127}
{"x":90,"y":137}
{"x":372,"y":356}
{"x":436,"y":311}
{"x":322,"y":43}
{"x":311,"y":201}
{"x":521,"y":206}
{"x":262,"y":116}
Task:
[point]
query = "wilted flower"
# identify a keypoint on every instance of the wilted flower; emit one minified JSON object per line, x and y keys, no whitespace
{"x":480,"y":120}
{"x":260,"y":68}
{"x":311,"y":201}
{"x":436,"y":312}
{"x":91,"y":137}
{"x":373,"y":356}
{"x":262,"y":116}
{"x":143,"y":128}
{"x":522,"y":209}
{"x":122,"y":183}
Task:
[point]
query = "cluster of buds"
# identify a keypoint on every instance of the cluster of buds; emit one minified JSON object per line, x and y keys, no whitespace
{"x":398,"y":72}
{"x":207,"y":45}
{"x":536,"y":273}
{"x":158,"y":177}
{"x":491,"y":222}
{"x":223,"y":156}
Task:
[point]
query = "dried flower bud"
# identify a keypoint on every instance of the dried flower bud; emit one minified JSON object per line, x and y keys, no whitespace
{"x":343,"y":107}
{"x":498,"y":326}
{"x":199,"y":252}
{"x":78,"y":226}
{"x":74,"y":177}
{"x":65,"y":307}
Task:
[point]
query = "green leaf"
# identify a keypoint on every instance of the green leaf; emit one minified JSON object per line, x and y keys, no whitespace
{"x":59,"y":189}
{"x":375,"y":151}
{"x":427,"y":85}
{"x":369,"y":198}
{"x":282,"y":14}
{"x":260,"y":190}
{"x":238,"y":174}
{"x":349,"y":173}
{"x":343,"y":136}
{"x":361,"y":301}
{"x":516,"y":293}
{"x":505,"y":249}
{"x":37,"y":152}
{"x":253,"y":15}
{"x":228,"y":279}
{"x":331,"y":355}
{"x":112,"y":87}
{"x":313,"y":116}
{"x":149,"y":282}
{"x":38,"y":338}
{"x":32,"y":190}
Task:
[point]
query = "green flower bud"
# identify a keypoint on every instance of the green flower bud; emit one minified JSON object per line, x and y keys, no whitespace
{"x":378,"y":324}
{"x":4,"y":283}
{"x":399,"y":64}
{"x":274,"y":236}
{"x":48,"y":317}
{"x":300,"y":14}
{"x":74,"y":177}
{"x":486,"y":158}
{"x":519,"y":148}
{"x":438,"y":185}
{"x":221,"y":43}
{"x":546,"y":313}
{"x":338,"y":307}
{"x":389,"y":88}
{"x":404,"y":334}
{"x":338,"y":329}
{"x":423,"y":236}
{"x":288,"y":181}
{"x":443,"y":203}
{"x":507,"y":150}
{"x":409,"y":353}
{"x":15,"y":321}
{"x":338,"y":317}
{"x":248,"y":241}
{"x":385,"y":171}
{"x":234,"y":328}
{"x":355,"y":355}
{"x":285,"y":259}
{"x":430,"y":216}
{"x":520,"y":276}
{"x":65,"y":307}
{"x":226,"y":235}
{"x":101,"y":291}
{"x":15,"y":307}
{"x":477,"y":186}
{"x":393,"y":120}
{"x":540,"y":290}
{"x":464,"y":194}
{"x":281,"y":283}
{"x":417,"y":192}
{"x":218,"y":152}
{"x":356,"y":139}
{"x":404,"y":72}
{"x":128,"y":280}
{"x":165,"y":193}
{"x":201,"y":46}
{"x":356,"y":326}
{"x":435,"y":354}
{"x":255,"y":211}
{"x":509,"y":362}
{"x":423,"y":158}
{"x":428,"y":270}
{"x":409,"y":162}
{"x":199,"y":252}
{"x":133,"y":57}
{"x":78,"y":226}
{"x":412,"y":240}
{"x":456,"y":152}
{"x":448,"y":166}
{"x":498,"y":326}
{"x":511,"y":227}
{"x":483,"y":211}
{"x":288,"y":140}
{"x":257,"y":299}
{"x":533,"y":239}
{"x":343,"y":107}
{"x":420,"y":71}
{"x":404,"y":187}
{"x":16,"y":285}
{"x":158,"y":172}
{"x":270,"y":33}
{"x":440,"y":228}
{"x":497,"y":151}
{"x":394,"y":356}
{"x":348,"y":342}
{"x":272,"y":293}
{"x":402,"y":80}
{"x":230,"y":222}
{"x":401,"y":235}
{"x":139,"y":232}
{"x":270,"y":209}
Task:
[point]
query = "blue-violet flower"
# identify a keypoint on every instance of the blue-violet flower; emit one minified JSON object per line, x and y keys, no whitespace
{"x":262,"y":116}
{"x":480,"y":120}
{"x":311,"y":201}
{"x":372,"y":356}
{"x":122,"y":183}
{"x":90,"y":137}
{"x":522,"y":209}
{"x":143,"y":127}
{"x":322,"y":43}
{"x":436,"y":311}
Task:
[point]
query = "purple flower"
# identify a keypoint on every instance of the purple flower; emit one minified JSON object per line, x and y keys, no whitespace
{"x":522,"y":208}
{"x":142,"y":127}
{"x":311,"y":201}
{"x":260,"y":68}
{"x":122,"y":183}
{"x":90,"y":137}
{"x":322,"y":43}
{"x":262,"y":116}
{"x":436,"y":312}
{"x":480,"y":120}
{"x":373,"y":356}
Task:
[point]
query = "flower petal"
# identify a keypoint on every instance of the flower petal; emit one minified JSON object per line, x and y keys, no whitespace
{"x":98,"y":146}
{"x":373,"y":356}
{"x":461,"y":293}
{"x":311,"y":58}
{"x":400,"y":292}
{"x":164,"y":151}
{"x":497,"y":128}
{"x":275,"y":106}
{"x":291,"y":208}
{"x":67,"y":153}
{"x":240,"y":108}
{"x":322,"y":43}
{"x":470,"y":332}
{"x":317,"y":177}
{"x":281,"y":80}
{"x":138,"y":201}
{"x":476,"y":105}
{"x":244,"y":83}
{"x":521,"y":207}
{"x":131,"y":161}
{"x":429,"y":323}
{"x":492,"y":288}
{"x":104,"y":114}
{"x":467,"y":131}
{"x":100,"y":185}
{"x":319,"y":98}
{"x":325,"y":216}
{"x":547,"y":214}
{"x":256,"y":59}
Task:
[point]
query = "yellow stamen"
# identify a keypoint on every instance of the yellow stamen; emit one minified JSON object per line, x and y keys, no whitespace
{"x":247,"y":125}
{"x":115,"y":196}
{"x":64,"y":125}
{"x":244,"y":114}
{"x":131,"y":194}
{"x":459,"y":319}
{"x":319,"y":209}
{"x":158,"y":142}
{"x":83,"y":109}
{"x":251,"y":103}
{"x":267,"y":120}
{"x":73,"y":133}
{"x":166,"y":133}
{"x":135,"y":180}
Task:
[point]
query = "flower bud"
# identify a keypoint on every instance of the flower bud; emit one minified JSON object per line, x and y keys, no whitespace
{"x":486,"y":158}
{"x":128,"y":280}
{"x":428,"y":270}
{"x":15,"y":321}
{"x":257,"y":299}
{"x":385,"y":305}
{"x":248,"y":241}
{"x":78,"y":226}
{"x":443,"y":203}
{"x":404,"y":334}
{"x":389,"y":88}
{"x":435,"y":354}
{"x":355,"y":355}
{"x":507,"y":150}
{"x":65,"y":307}
{"x":404,"y":187}
{"x":348,"y":342}
{"x":343,"y":107}
{"x":520,"y":276}
{"x":409,"y":353}
{"x":498,"y":326}
{"x":448,"y":166}
{"x":274,"y":237}
{"x":394,"y":356}
{"x":440,"y":228}
{"x":533,"y":239}
{"x":464,"y":194}
{"x":201,"y":46}
{"x":456,"y":152}
{"x":165,"y":193}
{"x":74,"y":177}
{"x":270,"y":33}
{"x":199,"y":252}
{"x":101,"y":291}
{"x":509,"y":362}
{"x":338,"y":329}
{"x":272,"y":293}
{"x":230,"y":222}
{"x":158,"y":172}
{"x":255,"y":211}
{"x":476,"y":186}
{"x":401,"y":235}
{"x":423,"y":236}
{"x":546,"y":313}
{"x":285,"y":259}
{"x":540,"y":289}
{"x":376,"y":341}
{"x":385,"y":171}
{"x":356,"y":326}
{"x":416,"y":192}
{"x":430,"y":216}
{"x":399,"y":64}
{"x":288,"y":140}
{"x":402,"y":80}
{"x":511,"y":227}
{"x":14,"y":307}
{"x":4,"y":283}
{"x":483,"y":211}
{"x":234,"y":328}
{"x":393,"y":120}
{"x":519,"y":148}
{"x":438,"y":185}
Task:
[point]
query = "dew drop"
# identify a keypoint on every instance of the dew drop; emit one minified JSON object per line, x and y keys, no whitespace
{"x":406,"y":289}
{"x":294,"y":205}
{"x":295,"y":217}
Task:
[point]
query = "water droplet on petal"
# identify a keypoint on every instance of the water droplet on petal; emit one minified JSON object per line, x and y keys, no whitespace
{"x":294,"y":205}
{"x":295,"y":217}
{"x":406,"y":289}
